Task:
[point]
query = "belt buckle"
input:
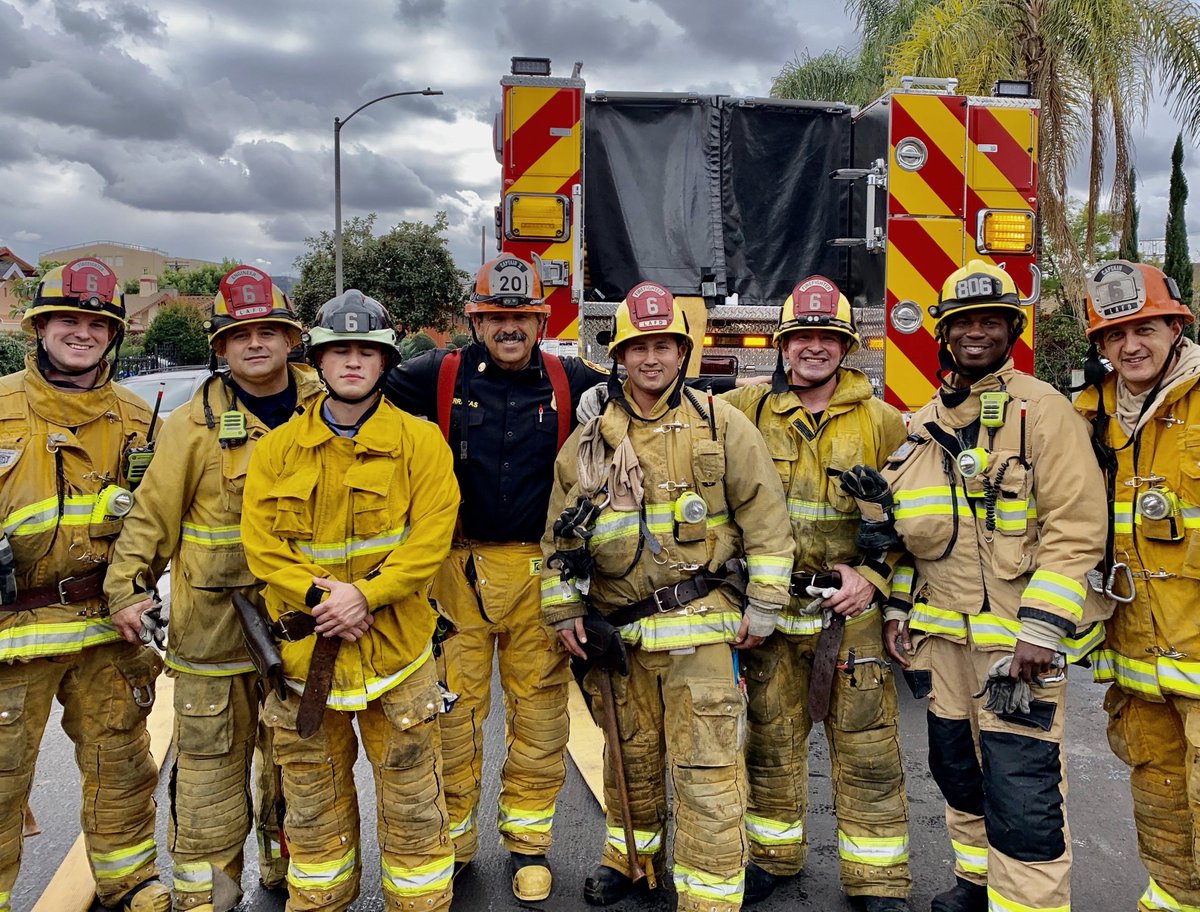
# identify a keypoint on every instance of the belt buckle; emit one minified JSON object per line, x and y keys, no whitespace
{"x":62,"y":592}
{"x":658,"y":605}
{"x":283,"y":628}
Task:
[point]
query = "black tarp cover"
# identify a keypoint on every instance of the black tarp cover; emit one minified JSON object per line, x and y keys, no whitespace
{"x":683,"y":189}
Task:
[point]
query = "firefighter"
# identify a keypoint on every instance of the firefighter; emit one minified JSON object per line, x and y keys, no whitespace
{"x":348,"y":512}
{"x":65,"y":434}
{"x":819,"y":418}
{"x":654,"y":504}
{"x":187,"y":513}
{"x":506,"y":408}
{"x":1145,"y":416}
{"x":1000,"y":506}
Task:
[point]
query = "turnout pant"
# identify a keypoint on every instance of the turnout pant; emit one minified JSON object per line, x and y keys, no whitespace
{"x":106,"y":692}
{"x":864,"y":748}
{"x":682,"y":716}
{"x":1160,"y":742}
{"x":492,"y":593}
{"x":400,"y":737}
{"x":1004,"y":780}
{"x":216,"y":735}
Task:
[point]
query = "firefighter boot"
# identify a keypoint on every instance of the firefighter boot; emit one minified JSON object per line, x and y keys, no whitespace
{"x":605,"y":886}
{"x":759,"y":884}
{"x":531,"y":877}
{"x":964,"y":896}
{"x":148,"y":896}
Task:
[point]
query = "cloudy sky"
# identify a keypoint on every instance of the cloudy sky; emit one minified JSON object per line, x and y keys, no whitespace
{"x":206,"y":130}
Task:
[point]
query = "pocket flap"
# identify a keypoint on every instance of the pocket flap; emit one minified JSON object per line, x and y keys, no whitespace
{"x":413,"y":709}
{"x":213,"y":568}
{"x":12,"y":703}
{"x":374,"y":476}
{"x":203,"y":697}
{"x":299,"y":484}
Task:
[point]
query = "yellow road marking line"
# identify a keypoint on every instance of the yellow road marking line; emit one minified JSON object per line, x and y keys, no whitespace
{"x":72,"y":888}
{"x":586,"y":745}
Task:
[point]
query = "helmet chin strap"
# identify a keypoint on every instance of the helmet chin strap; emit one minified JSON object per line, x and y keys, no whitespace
{"x":45,"y":365}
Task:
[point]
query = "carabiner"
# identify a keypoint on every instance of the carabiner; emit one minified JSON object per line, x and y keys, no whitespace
{"x":1112,"y":578}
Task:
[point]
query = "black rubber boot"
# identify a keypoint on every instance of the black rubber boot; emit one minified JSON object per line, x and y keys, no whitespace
{"x":605,"y":886}
{"x":759,"y":884}
{"x":964,"y":896}
{"x":880,"y":904}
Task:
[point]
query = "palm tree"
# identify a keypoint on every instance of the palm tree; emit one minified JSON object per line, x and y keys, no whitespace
{"x":1093,"y":64}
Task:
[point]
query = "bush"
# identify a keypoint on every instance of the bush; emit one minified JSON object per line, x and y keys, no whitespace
{"x":13,"y":348}
{"x":1059,"y":347}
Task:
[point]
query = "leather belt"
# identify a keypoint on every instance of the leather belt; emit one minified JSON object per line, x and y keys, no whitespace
{"x":65,"y":592}
{"x":319,"y":680}
{"x":669,"y":598}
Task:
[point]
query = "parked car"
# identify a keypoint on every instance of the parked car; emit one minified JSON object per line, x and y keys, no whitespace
{"x":178,"y":385}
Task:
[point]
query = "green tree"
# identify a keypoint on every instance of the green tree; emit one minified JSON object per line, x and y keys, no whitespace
{"x":132,"y":286}
{"x":1061,"y":346}
{"x":178,"y":331}
{"x":1178,"y":262}
{"x":201,"y":281}
{"x":409,"y":270}
{"x":1094,"y":66}
{"x":415,"y":344}
{"x":1129,"y":233}
{"x":459,"y":340}
{"x":13,"y":347}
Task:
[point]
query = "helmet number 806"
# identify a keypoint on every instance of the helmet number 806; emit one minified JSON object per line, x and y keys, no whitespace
{"x":976,"y":286}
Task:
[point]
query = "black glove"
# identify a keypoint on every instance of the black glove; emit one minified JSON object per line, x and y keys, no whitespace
{"x":574,"y":562}
{"x":604,"y":646}
{"x":575,"y":519}
{"x":865,"y":483}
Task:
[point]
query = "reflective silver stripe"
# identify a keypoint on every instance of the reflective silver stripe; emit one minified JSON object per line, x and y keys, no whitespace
{"x":768,"y":832}
{"x":464,"y":826}
{"x":432,"y":877}
{"x":42,"y":515}
{"x":211,"y":535}
{"x":338,"y":552}
{"x":812,"y":511}
{"x":879,"y":851}
{"x":192,"y":877}
{"x":35,"y":640}
{"x":646,"y":842}
{"x":902,"y":580}
{"x":209,"y":669}
{"x":709,"y":886}
{"x":937,"y":620}
{"x":321,"y":875}
{"x":933,"y":501}
{"x":555,"y":591}
{"x":1060,"y":591}
{"x":514,"y":820}
{"x":1159,"y":900}
{"x":971,"y":859}
{"x":770,"y":570}
{"x":612,"y":525}
{"x":123,"y":862}
{"x":671,"y":631}
{"x":797,"y":624}
{"x":1179,"y":676}
{"x":1108,"y":665}
{"x":353,"y":700}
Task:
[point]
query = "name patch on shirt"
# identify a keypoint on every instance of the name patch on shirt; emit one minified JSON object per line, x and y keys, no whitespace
{"x":8,"y":457}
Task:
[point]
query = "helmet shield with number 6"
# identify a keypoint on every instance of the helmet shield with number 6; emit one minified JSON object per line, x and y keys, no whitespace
{"x":647,"y":310}
{"x":507,"y":284}
{"x":816,"y":303}
{"x":247,"y":295}
{"x":351,"y":316}
{"x":85,"y":285}
{"x":1120,"y":292}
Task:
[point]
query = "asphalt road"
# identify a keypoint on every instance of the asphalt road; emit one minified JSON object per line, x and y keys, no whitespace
{"x":1107,"y":875}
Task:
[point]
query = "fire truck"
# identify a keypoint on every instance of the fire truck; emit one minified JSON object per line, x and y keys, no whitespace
{"x":729,"y":201}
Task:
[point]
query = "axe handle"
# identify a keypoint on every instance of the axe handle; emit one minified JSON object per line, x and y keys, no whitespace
{"x":618,"y":762}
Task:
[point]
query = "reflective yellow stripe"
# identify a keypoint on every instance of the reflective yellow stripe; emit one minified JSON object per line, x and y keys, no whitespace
{"x":358,"y":698}
{"x":902,"y":580}
{"x":770,"y":571}
{"x":341,"y":551}
{"x":522,"y":820}
{"x":464,"y":826}
{"x":768,"y":832}
{"x":207,"y":669}
{"x":939,"y":621}
{"x":647,"y":842}
{"x":557,"y":592}
{"x":41,"y":516}
{"x":997,"y":903}
{"x":433,"y":877}
{"x":971,"y":859}
{"x":708,"y":886}
{"x":677,"y":631}
{"x":1122,"y":517}
{"x":815,"y":510}
{"x":990,"y":630}
{"x":611,"y":525}
{"x":123,"y":862}
{"x":1179,"y":676}
{"x":1152,"y":677}
{"x":322,"y":874}
{"x":798,"y":624}
{"x":660,"y":520}
{"x":192,"y":877}
{"x":1159,"y":900}
{"x":932,"y":501}
{"x":880,"y":851}
{"x":1014,"y":515}
{"x":30,"y":641}
{"x":1055,"y":589}
{"x":211,"y":535}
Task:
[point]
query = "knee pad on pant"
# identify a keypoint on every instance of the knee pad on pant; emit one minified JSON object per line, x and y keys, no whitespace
{"x":868,"y":778}
{"x":119,"y":777}
{"x":1023,"y":776}
{"x":210,"y":802}
{"x":539,"y":729}
{"x":953,"y":763}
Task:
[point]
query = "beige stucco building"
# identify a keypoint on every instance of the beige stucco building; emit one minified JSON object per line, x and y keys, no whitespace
{"x":128,"y":261}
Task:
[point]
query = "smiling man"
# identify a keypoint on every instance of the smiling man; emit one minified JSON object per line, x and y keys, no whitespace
{"x":1000,"y":505}
{"x":188,"y":510}
{"x":1145,"y":415}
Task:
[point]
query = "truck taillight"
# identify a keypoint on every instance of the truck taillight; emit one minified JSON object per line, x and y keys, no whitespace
{"x":1005,"y":231}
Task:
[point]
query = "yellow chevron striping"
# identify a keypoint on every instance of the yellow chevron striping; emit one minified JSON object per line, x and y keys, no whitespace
{"x":523,"y":103}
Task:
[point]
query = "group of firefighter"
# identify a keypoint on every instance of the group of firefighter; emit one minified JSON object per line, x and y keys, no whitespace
{"x":720,"y":565}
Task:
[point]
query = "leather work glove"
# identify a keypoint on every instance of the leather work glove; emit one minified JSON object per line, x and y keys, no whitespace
{"x":154,"y":625}
{"x":591,"y":403}
{"x":876,"y":529}
{"x":1005,"y":695}
{"x":604,"y":646}
{"x":572,"y":563}
{"x":819,"y":596}
{"x":573,"y":522}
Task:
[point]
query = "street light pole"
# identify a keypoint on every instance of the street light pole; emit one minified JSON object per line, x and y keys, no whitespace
{"x":338,"y":123}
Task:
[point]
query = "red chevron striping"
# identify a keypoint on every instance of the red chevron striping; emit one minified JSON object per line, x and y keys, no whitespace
{"x":920,"y":348}
{"x":1011,"y":159}
{"x":940,"y":174}
{"x":532,"y":139}
{"x":922,"y":251}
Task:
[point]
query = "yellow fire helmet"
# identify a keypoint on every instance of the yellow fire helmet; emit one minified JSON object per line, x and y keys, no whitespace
{"x":647,"y":310}
{"x":247,"y":295}
{"x":977,"y":286}
{"x":85,"y":285}
{"x":816,"y":303}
